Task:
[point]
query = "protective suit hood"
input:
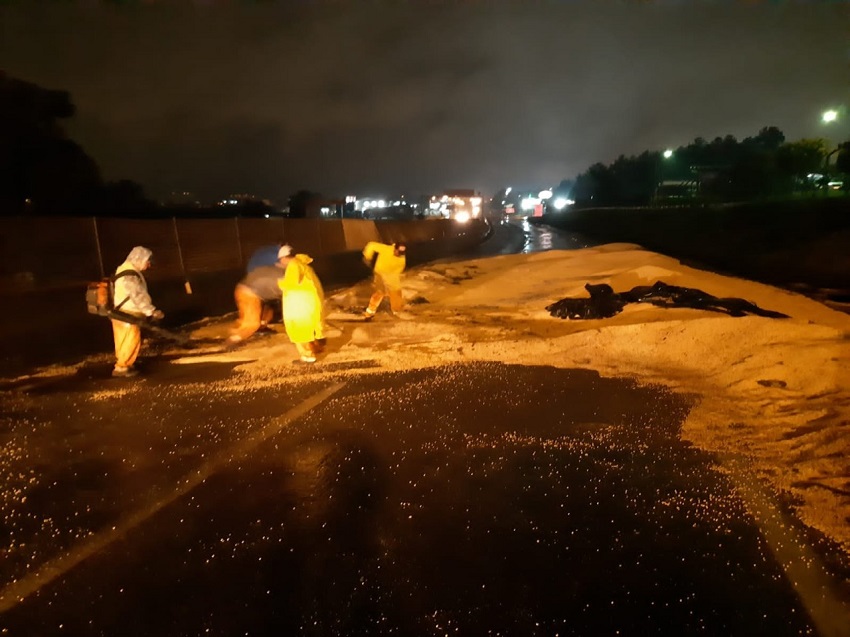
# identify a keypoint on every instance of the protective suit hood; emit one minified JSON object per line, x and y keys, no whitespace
{"x":139,"y":256}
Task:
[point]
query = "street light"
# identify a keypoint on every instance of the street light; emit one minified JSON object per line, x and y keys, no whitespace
{"x":659,"y":173}
{"x":828,"y":117}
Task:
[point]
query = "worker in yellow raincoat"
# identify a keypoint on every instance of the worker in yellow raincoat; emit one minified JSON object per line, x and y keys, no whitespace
{"x":303,"y":306}
{"x":387,"y":262}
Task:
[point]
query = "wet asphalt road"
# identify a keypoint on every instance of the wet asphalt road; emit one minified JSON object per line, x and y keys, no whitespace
{"x":515,"y":236}
{"x":469,"y":499}
{"x":477,"y":499}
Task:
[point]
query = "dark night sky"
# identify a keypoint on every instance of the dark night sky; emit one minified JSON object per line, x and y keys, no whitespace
{"x":385,"y":98}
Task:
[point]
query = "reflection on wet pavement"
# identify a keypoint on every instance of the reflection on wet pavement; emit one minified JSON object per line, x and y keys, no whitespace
{"x":465,"y":499}
{"x":540,"y":237}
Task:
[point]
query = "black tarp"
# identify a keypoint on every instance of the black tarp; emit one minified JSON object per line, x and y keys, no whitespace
{"x":604,"y":302}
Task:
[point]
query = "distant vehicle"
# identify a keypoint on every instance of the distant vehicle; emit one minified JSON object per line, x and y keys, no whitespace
{"x":460,"y":205}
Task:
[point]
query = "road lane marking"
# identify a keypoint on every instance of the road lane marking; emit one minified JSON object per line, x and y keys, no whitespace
{"x":802,"y":566}
{"x":19,"y":590}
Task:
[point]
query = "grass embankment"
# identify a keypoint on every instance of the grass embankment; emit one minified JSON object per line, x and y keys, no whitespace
{"x":801,"y":244}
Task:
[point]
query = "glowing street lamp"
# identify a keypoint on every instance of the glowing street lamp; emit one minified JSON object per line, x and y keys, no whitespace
{"x":829,"y":116}
{"x":659,"y":172}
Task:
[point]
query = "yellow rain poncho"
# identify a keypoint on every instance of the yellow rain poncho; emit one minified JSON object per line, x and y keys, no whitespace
{"x":303,"y":301}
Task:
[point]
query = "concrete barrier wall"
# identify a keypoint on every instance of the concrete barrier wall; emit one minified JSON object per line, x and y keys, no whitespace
{"x":45,"y":264}
{"x":786,"y":242}
{"x":46,"y":252}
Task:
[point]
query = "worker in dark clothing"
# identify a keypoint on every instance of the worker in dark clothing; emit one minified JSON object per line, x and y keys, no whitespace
{"x":265,"y":255}
{"x":255,"y":295}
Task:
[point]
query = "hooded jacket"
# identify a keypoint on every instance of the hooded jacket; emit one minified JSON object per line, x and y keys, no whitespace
{"x":299,"y":276}
{"x":387,"y":264}
{"x":134,"y":288}
{"x":303,"y":300}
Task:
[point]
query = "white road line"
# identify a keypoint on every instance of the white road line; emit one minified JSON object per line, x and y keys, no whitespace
{"x":19,"y":590}
{"x":803,"y":568}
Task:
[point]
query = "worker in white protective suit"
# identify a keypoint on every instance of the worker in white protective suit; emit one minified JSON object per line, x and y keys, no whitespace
{"x":132,"y":297}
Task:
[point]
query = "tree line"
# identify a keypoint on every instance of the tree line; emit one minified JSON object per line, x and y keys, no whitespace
{"x":723,"y":170}
{"x":44,"y":172}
